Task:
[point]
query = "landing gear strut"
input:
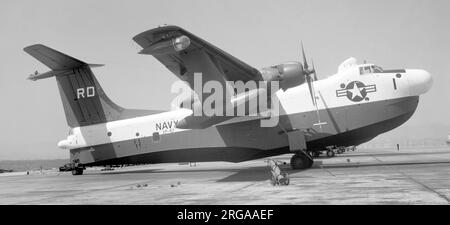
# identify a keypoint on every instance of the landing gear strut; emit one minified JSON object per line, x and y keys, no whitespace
{"x":316,"y":154}
{"x":301,"y":161}
{"x":77,"y":171}
{"x":76,"y":167}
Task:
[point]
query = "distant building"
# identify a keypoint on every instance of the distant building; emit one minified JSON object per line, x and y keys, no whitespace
{"x":5,"y":171}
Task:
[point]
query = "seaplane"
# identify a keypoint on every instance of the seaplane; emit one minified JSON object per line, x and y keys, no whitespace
{"x":348,"y":108}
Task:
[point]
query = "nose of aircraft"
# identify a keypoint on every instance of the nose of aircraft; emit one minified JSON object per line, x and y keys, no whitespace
{"x":420,"y":81}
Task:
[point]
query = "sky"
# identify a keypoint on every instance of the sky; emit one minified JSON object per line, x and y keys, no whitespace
{"x":389,"y":33}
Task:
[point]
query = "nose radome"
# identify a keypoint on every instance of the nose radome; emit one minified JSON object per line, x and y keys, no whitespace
{"x":420,"y":81}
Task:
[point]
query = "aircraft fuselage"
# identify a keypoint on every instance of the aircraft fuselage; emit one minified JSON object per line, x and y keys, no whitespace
{"x":351,"y":108}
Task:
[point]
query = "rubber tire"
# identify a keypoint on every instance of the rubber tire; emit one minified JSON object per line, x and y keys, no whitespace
{"x":330,"y":153}
{"x":301,"y":161}
{"x":310,"y":162}
{"x":284,"y":181}
{"x":77,"y":171}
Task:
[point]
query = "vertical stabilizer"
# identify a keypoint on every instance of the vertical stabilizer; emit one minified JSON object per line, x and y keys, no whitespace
{"x":83,"y":98}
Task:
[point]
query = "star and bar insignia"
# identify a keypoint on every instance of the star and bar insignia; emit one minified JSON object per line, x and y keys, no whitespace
{"x":356,"y":91}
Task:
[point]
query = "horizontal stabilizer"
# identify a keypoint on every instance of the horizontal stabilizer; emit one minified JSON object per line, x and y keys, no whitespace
{"x":37,"y":76}
{"x":53,"y":59}
{"x":59,"y":62}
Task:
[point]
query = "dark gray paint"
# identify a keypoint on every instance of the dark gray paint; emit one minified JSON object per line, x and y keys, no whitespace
{"x":246,"y":140}
{"x":233,"y":141}
{"x":72,"y":74}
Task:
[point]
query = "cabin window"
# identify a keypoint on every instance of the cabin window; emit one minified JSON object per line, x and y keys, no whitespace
{"x":109,"y":133}
{"x":137,"y":134}
{"x":156,"y":137}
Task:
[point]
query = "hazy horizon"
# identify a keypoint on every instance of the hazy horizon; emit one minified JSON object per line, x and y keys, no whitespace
{"x":391,"y":34}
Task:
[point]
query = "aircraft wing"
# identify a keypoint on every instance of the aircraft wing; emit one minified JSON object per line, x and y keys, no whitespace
{"x":185,"y":54}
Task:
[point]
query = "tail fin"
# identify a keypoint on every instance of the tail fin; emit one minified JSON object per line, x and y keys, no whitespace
{"x":84,"y":101}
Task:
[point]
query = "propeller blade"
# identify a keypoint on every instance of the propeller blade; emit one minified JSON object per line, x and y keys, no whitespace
{"x":305,"y":63}
{"x":307,"y":74}
{"x":308,"y":80}
{"x":314,"y":70}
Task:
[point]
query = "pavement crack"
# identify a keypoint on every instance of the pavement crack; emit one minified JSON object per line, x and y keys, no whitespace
{"x":426,"y":187}
{"x":327,"y":171}
{"x":381,"y":162}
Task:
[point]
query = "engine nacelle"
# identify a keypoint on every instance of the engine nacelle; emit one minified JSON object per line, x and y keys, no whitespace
{"x":289,"y":74}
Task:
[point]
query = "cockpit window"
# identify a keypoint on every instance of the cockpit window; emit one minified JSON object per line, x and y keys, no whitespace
{"x":376,"y":69}
{"x":364,"y":70}
{"x":370,"y":69}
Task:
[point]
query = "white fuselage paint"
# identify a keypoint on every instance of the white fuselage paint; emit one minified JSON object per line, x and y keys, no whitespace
{"x":127,"y":129}
{"x":294,"y":100}
{"x":298,"y":99}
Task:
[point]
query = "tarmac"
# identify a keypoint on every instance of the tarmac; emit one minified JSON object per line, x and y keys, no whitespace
{"x":365,"y":176}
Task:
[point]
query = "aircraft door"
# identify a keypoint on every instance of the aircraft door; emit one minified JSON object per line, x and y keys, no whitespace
{"x":139,"y":141}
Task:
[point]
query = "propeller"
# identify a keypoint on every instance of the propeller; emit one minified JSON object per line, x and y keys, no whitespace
{"x":305,"y":63}
{"x":314,"y":69}
{"x":307,"y":73}
{"x":285,"y":123}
